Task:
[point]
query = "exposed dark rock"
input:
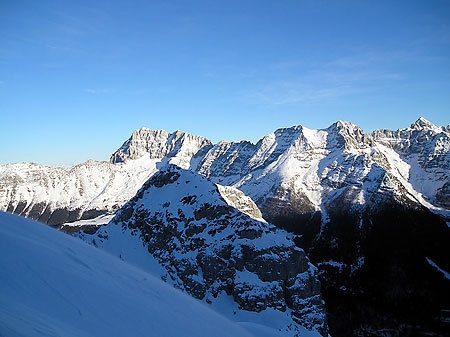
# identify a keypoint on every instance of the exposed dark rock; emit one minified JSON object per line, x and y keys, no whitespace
{"x":443,"y":195}
{"x":373,"y":267}
{"x":63,"y":215}
{"x":89,"y":214}
{"x":88,"y":229}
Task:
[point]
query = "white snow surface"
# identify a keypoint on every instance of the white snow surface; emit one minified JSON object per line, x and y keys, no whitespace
{"x":52,"y":284}
{"x":98,"y":221}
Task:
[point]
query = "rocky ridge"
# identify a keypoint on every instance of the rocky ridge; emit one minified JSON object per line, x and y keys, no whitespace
{"x":210,"y":249}
{"x":292,"y":166}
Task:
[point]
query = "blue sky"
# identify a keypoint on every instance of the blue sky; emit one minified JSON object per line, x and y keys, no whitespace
{"x":77,"y":77}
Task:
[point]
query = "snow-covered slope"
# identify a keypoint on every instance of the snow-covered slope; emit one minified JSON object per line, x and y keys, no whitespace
{"x":55,"y":195}
{"x":54,"y":285}
{"x":215,"y":252}
{"x":423,"y":151}
{"x":298,"y":169}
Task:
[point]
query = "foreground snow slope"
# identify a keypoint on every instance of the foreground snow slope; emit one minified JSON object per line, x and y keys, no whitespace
{"x":54,"y":285}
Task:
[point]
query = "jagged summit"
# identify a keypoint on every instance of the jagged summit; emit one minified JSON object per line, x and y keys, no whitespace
{"x":141,"y":141}
{"x":348,"y":136}
{"x":422,"y":123}
{"x":157,"y":144}
{"x":341,"y":124}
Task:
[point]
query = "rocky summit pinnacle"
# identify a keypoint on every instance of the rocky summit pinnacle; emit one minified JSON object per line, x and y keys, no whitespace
{"x":158,"y":144}
{"x":423,"y":123}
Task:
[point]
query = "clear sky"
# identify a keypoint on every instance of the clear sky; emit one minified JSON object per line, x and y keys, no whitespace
{"x":77,"y":77}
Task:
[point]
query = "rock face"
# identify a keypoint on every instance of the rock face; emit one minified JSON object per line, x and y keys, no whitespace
{"x":211,"y":249}
{"x":425,"y":148}
{"x":178,"y":147}
{"x":239,"y":200}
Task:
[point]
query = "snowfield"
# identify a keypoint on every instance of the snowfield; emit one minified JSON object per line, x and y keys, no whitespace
{"x":52,"y":284}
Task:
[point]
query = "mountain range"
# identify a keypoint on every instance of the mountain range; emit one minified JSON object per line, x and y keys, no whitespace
{"x":371,"y":211}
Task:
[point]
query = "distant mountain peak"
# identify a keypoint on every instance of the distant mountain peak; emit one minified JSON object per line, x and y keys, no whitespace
{"x":144,"y":132}
{"x":344,"y":127}
{"x":348,"y":136}
{"x":424,"y":124}
{"x":344,"y":124}
{"x":157,"y":144}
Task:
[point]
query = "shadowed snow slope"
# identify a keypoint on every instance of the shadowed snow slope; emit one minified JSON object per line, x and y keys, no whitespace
{"x":54,"y":285}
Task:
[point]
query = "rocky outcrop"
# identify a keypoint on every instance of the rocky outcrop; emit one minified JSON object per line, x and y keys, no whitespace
{"x":443,"y":195}
{"x":239,"y":200}
{"x":211,"y":249}
{"x":347,"y":136}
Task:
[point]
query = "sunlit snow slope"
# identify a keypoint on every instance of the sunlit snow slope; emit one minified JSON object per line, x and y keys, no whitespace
{"x":54,"y":285}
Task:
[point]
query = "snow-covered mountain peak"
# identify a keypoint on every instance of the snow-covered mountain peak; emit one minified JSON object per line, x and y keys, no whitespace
{"x":285,"y":137}
{"x":348,"y":136}
{"x":157,"y":144}
{"x":341,"y":124}
{"x":424,"y":124}
{"x":422,"y":138}
{"x":193,"y":189}
{"x":142,"y":141}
